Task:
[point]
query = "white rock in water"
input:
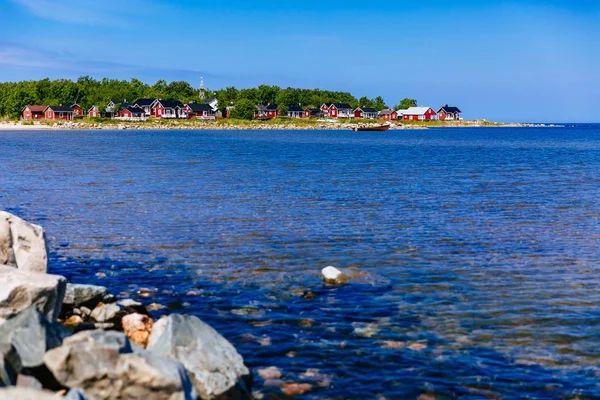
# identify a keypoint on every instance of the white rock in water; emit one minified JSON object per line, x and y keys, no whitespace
{"x":22,"y":245}
{"x":332,"y":275}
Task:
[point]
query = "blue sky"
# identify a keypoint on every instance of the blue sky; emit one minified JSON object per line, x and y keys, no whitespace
{"x":500,"y":60}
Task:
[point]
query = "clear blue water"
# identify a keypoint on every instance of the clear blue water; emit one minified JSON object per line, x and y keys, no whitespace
{"x":475,"y":252}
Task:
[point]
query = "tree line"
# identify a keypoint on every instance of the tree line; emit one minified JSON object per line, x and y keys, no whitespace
{"x":87,"y":91}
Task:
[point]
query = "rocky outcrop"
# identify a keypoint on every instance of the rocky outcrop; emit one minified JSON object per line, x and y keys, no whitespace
{"x":22,"y":393}
{"x":22,"y":245}
{"x":104,"y":365}
{"x":216,"y":368}
{"x":31,"y":335}
{"x":77,"y":295}
{"x":10,"y":365}
{"x":20,"y":290}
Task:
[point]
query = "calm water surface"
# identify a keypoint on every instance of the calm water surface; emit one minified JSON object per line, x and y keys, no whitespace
{"x":475,"y":252}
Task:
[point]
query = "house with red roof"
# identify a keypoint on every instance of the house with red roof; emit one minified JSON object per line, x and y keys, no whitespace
{"x":198,"y":111}
{"x":32,"y":113}
{"x":77,"y":110}
{"x":94,"y":112}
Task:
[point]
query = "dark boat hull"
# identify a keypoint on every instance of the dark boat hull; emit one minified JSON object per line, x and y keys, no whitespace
{"x":380,"y":128}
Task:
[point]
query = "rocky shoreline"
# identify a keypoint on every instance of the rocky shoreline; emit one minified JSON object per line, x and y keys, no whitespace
{"x":77,"y":341}
{"x":249,"y":125}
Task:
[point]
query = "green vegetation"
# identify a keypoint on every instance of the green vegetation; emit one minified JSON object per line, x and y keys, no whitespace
{"x":406,"y":104}
{"x":244,"y":109}
{"x":87,"y":91}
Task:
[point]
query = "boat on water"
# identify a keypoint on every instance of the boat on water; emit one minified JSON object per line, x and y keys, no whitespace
{"x":372,"y":128}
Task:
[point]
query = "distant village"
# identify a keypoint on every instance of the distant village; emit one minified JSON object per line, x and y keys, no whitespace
{"x":208,"y":109}
{"x":142,"y":109}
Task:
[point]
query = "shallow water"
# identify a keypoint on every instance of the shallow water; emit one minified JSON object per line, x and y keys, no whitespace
{"x":475,"y":251}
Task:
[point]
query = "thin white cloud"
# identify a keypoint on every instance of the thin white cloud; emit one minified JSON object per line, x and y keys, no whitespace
{"x":14,"y":55}
{"x":86,"y":12}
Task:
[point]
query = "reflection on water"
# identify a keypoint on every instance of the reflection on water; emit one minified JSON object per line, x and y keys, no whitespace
{"x":476,"y":251}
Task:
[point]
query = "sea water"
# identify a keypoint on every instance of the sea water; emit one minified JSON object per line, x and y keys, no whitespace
{"x":474,"y":253}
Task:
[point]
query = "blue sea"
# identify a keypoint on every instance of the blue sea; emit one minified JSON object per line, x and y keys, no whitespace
{"x":474,"y":253}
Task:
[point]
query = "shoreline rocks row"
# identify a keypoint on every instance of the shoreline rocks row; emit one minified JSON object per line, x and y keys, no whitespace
{"x":250,"y":125}
{"x":77,"y":341}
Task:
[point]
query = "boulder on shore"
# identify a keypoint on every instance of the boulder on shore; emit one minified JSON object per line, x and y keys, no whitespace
{"x":22,"y":245}
{"x":20,"y":290}
{"x":10,"y":365}
{"x":104,"y":365}
{"x":23,"y":393}
{"x":31,"y":335}
{"x":216,"y":368}
{"x":77,"y":295}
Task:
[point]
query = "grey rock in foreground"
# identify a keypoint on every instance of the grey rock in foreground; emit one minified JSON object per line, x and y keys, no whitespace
{"x":20,"y":290}
{"x":77,"y":394}
{"x":216,"y":368}
{"x":22,"y":245}
{"x":103,"y":364}
{"x":21,"y":393}
{"x":31,"y":335}
{"x":77,"y":295}
{"x":10,"y":365}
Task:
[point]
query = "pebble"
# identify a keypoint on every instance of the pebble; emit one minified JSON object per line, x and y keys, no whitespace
{"x":155,"y":307}
{"x":295,"y":389}
{"x":417,"y":346}
{"x":74,"y":320}
{"x":85,"y":311}
{"x":269,"y":373}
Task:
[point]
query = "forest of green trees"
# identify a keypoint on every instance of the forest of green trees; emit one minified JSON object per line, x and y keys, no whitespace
{"x":87,"y":91}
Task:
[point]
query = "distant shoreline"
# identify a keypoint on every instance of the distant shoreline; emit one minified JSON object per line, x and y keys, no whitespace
{"x":227,"y":124}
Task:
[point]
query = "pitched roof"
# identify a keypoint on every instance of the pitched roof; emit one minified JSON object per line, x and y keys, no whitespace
{"x":416,"y":110}
{"x":386,"y":111}
{"x":261,"y":107}
{"x":195,"y":107}
{"x":60,"y":109}
{"x":144,"y":102}
{"x":367,"y":109}
{"x":295,"y":109}
{"x":341,"y":106}
{"x":315,"y":111}
{"x":36,"y":108}
{"x":170,"y":103}
{"x":272,"y":107}
{"x":448,"y":109}
{"x":93,"y":108}
{"x":134,"y":110}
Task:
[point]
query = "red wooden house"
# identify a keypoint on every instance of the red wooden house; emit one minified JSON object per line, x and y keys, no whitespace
{"x":77,"y":111}
{"x":199,"y":111}
{"x":94,"y":112}
{"x":419,"y":114}
{"x":132,"y":113}
{"x":448,"y":113}
{"x":269,"y":111}
{"x":388,"y":115}
{"x":297,"y":112}
{"x":59,"y":113}
{"x":338,"y":110}
{"x":146,"y":104}
{"x":167,"y":109}
{"x":31,"y":113}
{"x":366,"y":113}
